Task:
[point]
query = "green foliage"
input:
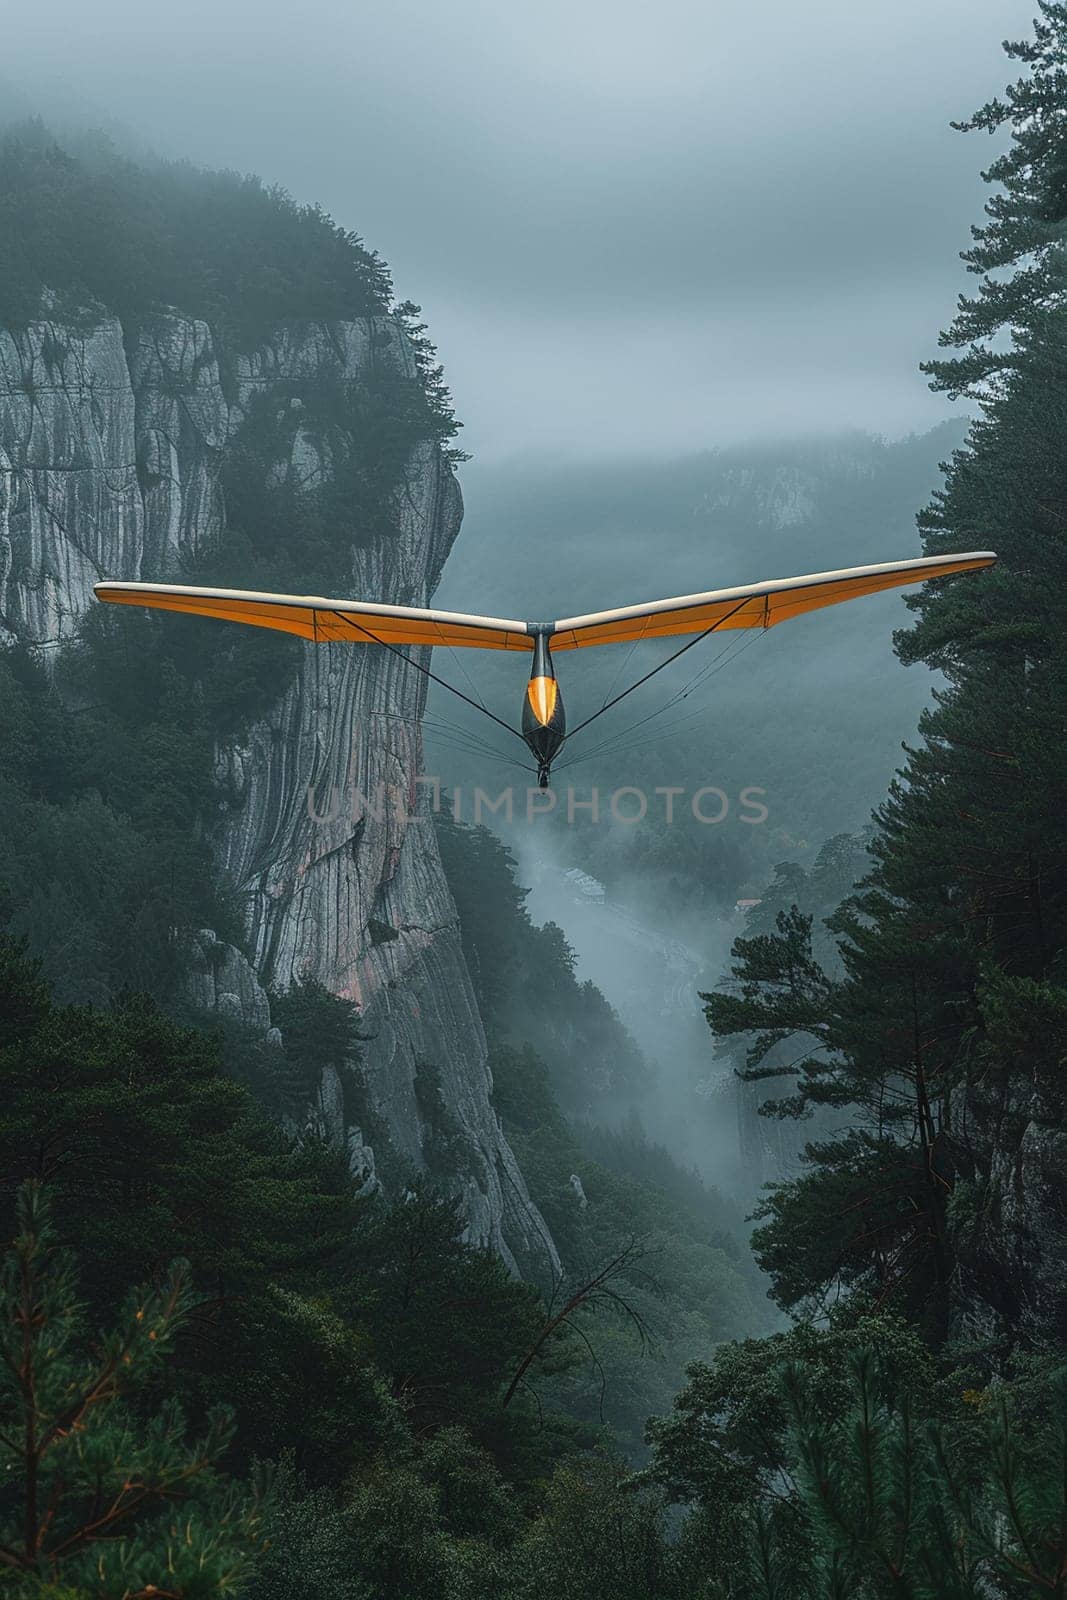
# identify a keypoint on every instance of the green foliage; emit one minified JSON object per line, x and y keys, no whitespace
{"x":474,"y":1502}
{"x":842,"y":1464}
{"x":939,"y":1015}
{"x":382,"y":1390}
{"x":942,"y":1512}
{"x":688,"y":1283}
{"x":402,"y":1550}
{"x":861,"y":1205}
{"x":628,"y":1152}
{"x":319,"y":1030}
{"x":437,"y":400}
{"x":219,"y":246}
{"x":402,"y":1527}
{"x":301,"y":1377}
{"x":103,"y":869}
{"x":372,"y":1345}
{"x":771,"y":1019}
{"x":445,"y":1321}
{"x":200,"y":682}
{"x":724,"y":1448}
{"x":294,"y":529}
{"x":395,"y":1535}
{"x":125,"y":1115}
{"x":1018,"y":252}
{"x":311,"y":1550}
{"x":93,"y":1494}
{"x":150,"y":1150}
{"x":779,"y":991}
{"x":601,"y":1538}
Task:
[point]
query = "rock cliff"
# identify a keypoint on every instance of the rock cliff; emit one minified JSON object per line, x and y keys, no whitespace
{"x":111,"y":446}
{"x":1009,"y":1222}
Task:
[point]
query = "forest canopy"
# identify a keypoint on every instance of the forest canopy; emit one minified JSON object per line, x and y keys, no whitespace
{"x":91,"y":224}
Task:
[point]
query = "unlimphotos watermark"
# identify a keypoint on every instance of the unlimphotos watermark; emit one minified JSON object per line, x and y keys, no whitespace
{"x":666,"y":803}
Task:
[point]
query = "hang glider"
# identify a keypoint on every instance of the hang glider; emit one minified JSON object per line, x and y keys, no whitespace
{"x":325,"y":621}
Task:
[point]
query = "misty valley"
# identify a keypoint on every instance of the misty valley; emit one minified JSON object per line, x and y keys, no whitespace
{"x":619,"y":1155}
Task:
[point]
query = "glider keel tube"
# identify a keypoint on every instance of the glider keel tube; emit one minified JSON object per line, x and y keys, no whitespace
{"x":326,"y":621}
{"x":544,"y":722}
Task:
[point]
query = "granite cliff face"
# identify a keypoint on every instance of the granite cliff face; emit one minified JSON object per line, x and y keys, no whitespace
{"x":111,"y":445}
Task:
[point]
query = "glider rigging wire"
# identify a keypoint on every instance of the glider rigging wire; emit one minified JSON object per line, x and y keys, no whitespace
{"x":458,"y":661}
{"x":617,"y":674}
{"x":620,"y":739}
{"x":454,"y":736}
{"x":721,"y":623}
{"x":409,"y":661}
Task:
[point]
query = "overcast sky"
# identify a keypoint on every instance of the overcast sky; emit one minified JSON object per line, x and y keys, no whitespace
{"x":632,"y":227}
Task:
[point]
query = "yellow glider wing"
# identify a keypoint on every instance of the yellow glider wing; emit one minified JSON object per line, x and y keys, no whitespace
{"x":325,"y":621}
{"x":759,"y":605}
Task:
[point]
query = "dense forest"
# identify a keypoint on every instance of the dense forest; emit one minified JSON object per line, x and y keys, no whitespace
{"x":83,"y":220}
{"x":226,"y":1367}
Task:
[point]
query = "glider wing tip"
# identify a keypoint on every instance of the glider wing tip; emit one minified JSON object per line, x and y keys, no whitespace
{"x":118,"y":589}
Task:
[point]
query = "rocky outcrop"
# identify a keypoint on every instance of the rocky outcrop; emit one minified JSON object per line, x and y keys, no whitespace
{"x":111,"y":443}
{"x":222,"y":981}
{"x":1009,"y":1222}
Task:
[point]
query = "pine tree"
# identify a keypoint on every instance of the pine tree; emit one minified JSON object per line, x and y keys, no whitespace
{"x":94,"y":1494}
{"x":905,"y":1509}
{"x":1019,"y":252}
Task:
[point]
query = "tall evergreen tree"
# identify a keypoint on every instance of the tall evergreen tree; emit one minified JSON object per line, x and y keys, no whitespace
{"x":94,"y":1495}
{"x":943,"y":1038}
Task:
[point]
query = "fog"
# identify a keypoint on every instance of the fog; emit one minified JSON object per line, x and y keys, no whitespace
{"x":630,"y":227}
{"x":653,"y":969}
